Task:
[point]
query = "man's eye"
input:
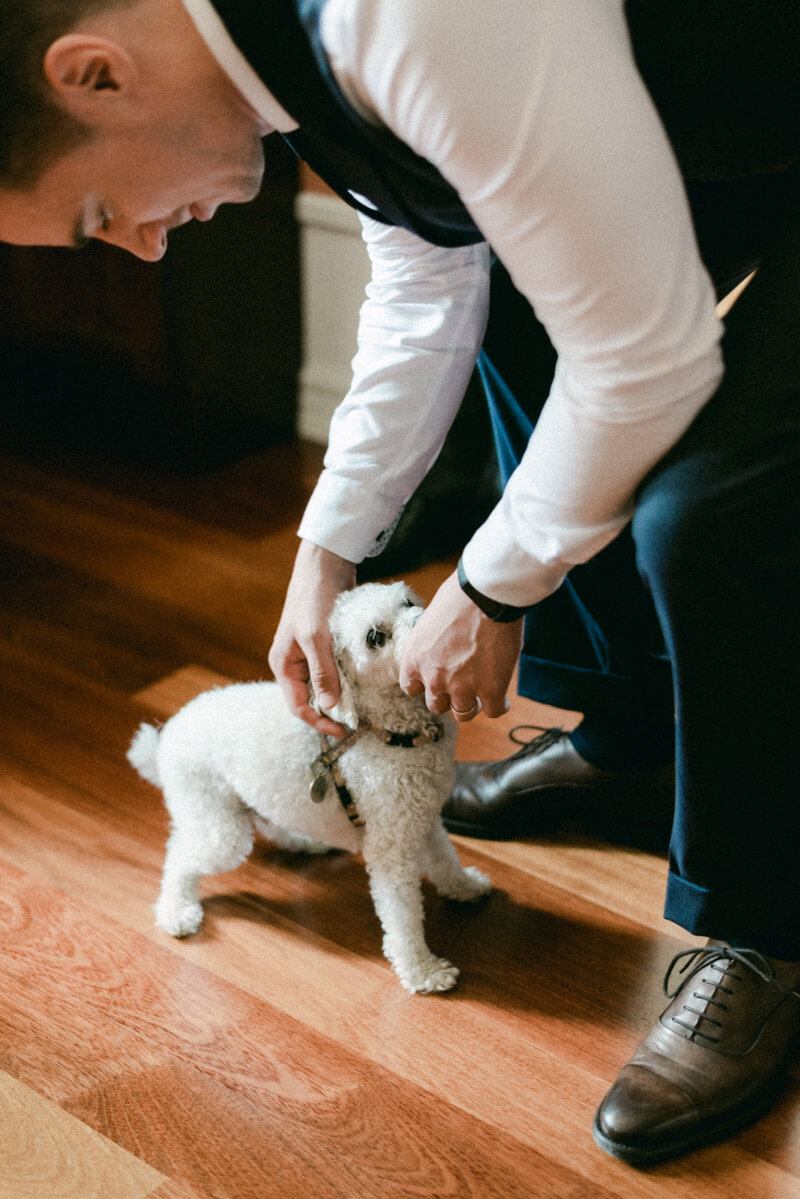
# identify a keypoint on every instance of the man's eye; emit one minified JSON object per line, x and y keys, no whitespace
{"x":376,"y":638}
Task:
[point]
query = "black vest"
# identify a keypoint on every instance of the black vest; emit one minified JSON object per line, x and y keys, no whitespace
{"x":723,"y":74}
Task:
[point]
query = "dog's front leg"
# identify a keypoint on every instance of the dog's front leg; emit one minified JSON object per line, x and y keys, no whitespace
{"x":395,"y":884}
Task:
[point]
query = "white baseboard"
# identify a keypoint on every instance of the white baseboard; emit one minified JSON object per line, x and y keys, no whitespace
{"x":334,"y":273}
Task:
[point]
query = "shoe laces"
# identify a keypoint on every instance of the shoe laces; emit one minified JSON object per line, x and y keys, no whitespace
{"x":724,"y":960}
{"x":534,"y":745}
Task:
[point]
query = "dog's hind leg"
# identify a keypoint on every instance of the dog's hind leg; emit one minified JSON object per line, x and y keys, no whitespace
{"x":449,"y":877}
{"x":178,"y":909}
{"x":209,"y":841}
{"x":395,"y":885}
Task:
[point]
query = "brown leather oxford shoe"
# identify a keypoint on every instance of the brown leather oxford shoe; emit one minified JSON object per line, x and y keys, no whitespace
{"x":712,"y":1063}
{"x":543,"y":783}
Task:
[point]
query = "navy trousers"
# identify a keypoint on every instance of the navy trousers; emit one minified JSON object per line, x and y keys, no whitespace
{"x":680,"y":639}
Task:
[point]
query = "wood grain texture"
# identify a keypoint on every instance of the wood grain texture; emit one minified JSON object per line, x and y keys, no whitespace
{"x":47,"y":1154}
{"x":275,"y":1054}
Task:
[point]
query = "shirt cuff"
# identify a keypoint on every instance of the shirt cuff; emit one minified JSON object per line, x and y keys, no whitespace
{"x":499,"y":567}
{"x":340,"y":518}
{"x":503,"y":571}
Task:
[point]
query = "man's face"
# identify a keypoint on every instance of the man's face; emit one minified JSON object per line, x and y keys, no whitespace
{"x":131,"y":186}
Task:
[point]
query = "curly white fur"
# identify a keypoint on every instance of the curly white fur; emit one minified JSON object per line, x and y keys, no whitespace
{"x":235,"y":759}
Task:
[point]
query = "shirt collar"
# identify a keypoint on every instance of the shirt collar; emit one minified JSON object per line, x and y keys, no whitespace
{"x":208,"y":24}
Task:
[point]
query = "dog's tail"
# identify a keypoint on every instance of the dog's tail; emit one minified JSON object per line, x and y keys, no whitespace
{"x":143,"y":751}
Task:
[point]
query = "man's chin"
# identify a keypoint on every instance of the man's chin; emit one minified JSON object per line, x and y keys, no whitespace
{"x":253,"y":190}
{"x":248,"y":185}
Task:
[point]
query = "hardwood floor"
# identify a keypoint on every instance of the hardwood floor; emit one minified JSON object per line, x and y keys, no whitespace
{"x":275,"y":1054}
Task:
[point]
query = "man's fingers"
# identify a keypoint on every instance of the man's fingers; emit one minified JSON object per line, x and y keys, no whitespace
{"x":325,"y":684}
{"x":326,"y":726}
{"x":324,"y":691}
{"x":411,"y":684}
{"x":465,"y":709}
{"x":324,"y":677}
{"x":296,"y":696}
{"x":496,"y":707}
{"x":293,"y":672}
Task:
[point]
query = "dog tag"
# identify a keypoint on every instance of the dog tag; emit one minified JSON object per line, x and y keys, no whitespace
{"x":319,"y":786}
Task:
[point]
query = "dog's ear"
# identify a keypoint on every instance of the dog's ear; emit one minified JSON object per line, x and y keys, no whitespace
{"x":345,"y":710}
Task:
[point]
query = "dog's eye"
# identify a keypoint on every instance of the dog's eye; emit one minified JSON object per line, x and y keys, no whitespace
{"x":407,"y":603}
{"x":377,"y":638}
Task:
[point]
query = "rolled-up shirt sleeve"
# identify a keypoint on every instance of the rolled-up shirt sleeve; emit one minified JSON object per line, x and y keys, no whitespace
{"x":419,"y":331}
{"x":534,"y":111}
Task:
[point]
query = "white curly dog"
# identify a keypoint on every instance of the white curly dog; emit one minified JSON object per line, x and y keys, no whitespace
{"x":235,"y":759}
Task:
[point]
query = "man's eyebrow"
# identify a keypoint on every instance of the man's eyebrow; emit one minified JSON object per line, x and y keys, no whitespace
{"x":80,"y":237}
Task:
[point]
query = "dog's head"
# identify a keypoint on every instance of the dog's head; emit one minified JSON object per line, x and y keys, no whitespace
{"x":369,"y":626}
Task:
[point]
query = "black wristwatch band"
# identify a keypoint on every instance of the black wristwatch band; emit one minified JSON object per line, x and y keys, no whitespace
{"x":501,"y":613}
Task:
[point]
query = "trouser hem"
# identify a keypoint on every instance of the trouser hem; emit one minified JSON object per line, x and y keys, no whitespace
{"x":764,"y":922}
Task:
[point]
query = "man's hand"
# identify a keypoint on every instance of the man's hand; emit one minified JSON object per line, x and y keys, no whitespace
{"x":457,"y":656}
{"x":301,"y":652}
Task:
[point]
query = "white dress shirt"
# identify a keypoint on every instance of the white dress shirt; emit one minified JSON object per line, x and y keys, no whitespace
{"x":535,"y":113}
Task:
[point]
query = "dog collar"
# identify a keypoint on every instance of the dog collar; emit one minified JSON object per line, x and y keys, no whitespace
{"x":326,"y":765}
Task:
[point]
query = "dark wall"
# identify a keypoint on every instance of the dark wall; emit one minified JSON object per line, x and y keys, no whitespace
{"x":187,"y":362}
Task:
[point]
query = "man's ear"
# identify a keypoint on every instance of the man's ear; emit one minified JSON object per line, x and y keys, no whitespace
{"x":88,"y":74}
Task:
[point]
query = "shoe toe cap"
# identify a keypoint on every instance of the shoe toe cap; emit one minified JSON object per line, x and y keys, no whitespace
{"x":641,"y":1107}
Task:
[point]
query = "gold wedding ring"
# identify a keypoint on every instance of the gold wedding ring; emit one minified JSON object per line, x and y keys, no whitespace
{"x":459,"y":715}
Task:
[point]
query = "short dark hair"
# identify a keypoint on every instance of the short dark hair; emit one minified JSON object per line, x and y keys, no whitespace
{"x":34,"y":129}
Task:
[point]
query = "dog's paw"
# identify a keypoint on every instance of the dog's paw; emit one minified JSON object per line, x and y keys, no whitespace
{"x":179,"y":920}
{"x":472,"y":885}
{"x":431,"y":976}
